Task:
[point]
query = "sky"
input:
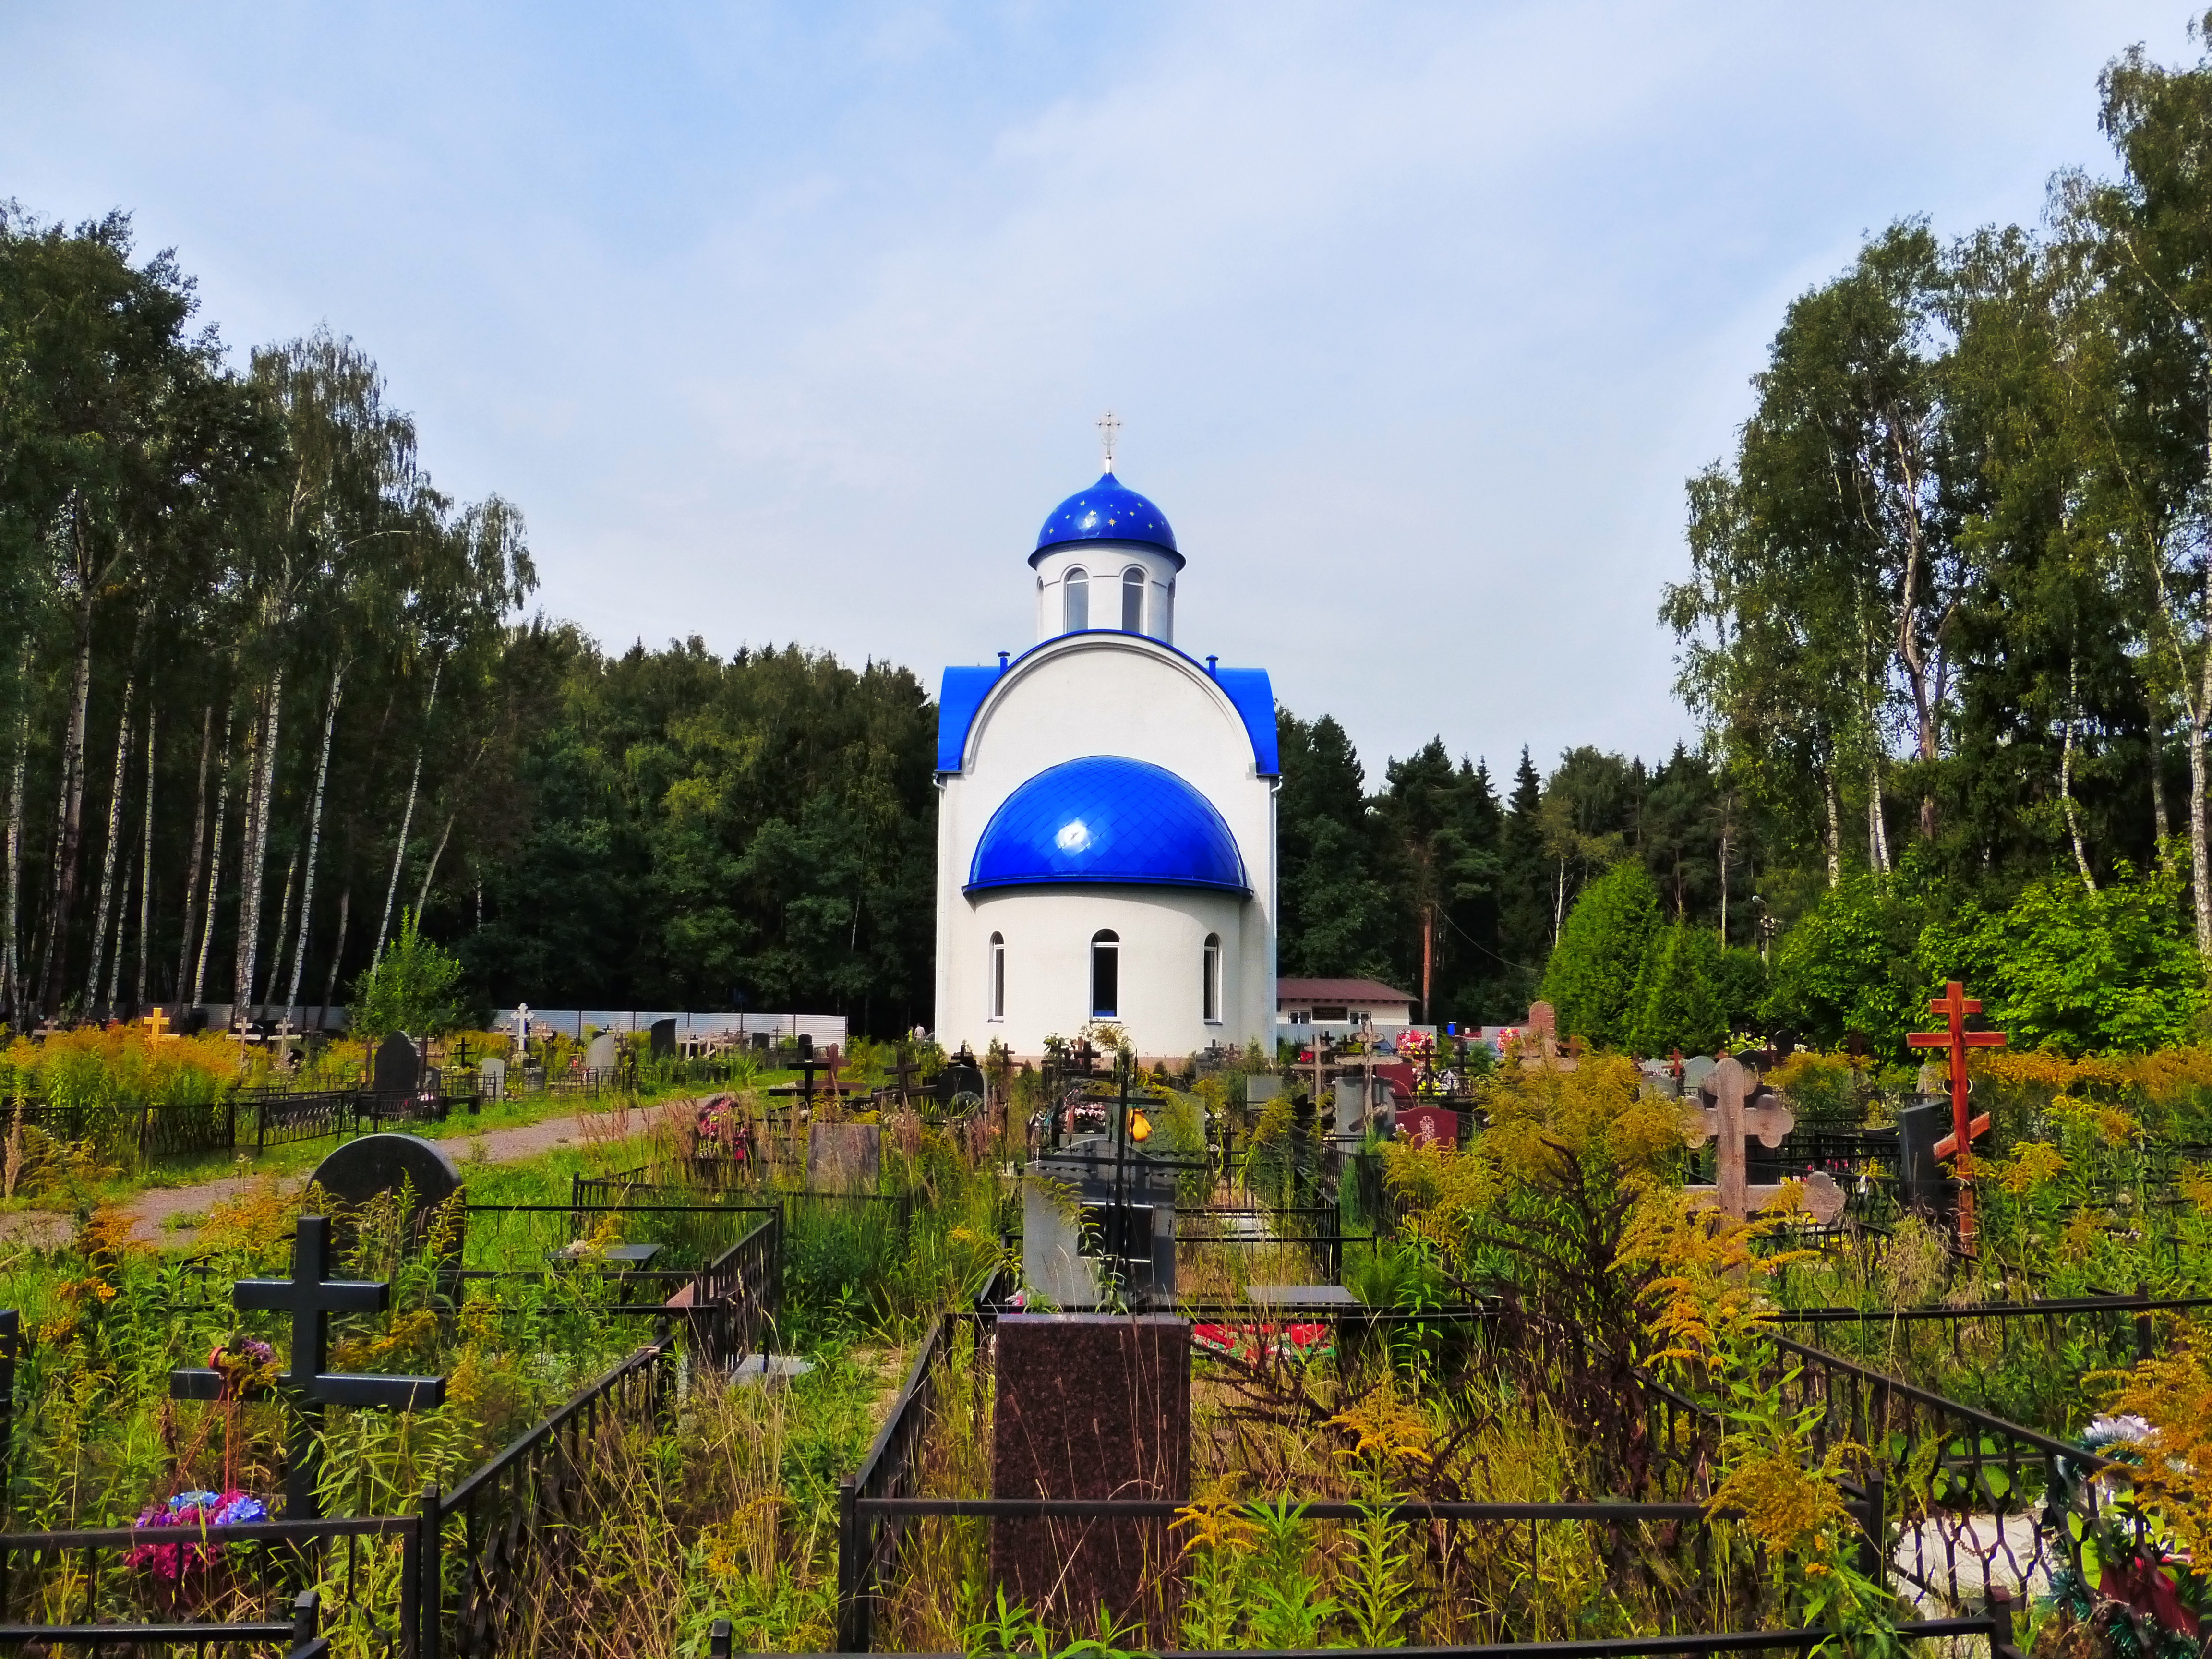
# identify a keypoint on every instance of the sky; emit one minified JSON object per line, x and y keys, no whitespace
{"x":792,"y":322}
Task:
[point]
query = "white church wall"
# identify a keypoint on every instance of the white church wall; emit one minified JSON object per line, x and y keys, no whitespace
{"x":1110,"y":695}
{"x":1161,"y":934}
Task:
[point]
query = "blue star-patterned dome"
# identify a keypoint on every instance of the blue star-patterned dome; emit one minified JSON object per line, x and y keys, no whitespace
{"x":1106,"y":511}
{"x":1105,"y":820}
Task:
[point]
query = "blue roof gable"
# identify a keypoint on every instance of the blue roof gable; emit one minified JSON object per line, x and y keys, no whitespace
{"x":961,"y":695}
{"x":962,"y":691}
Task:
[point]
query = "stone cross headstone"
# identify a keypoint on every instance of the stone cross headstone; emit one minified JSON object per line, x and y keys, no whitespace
{"x":844,"y":1158}
{"x":1736,"y":1112}
{"x":399,"y":1065}
{"x":601,"y":1055}
{"x":1089,"y":1406}
{"x":522,"y":1030}
{"x":311,"y":1296}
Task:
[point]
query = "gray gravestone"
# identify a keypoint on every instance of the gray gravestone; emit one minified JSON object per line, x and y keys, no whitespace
{"x":601,"y":1055}
{"x":491,"y":1079}
{"x":844,"y":1158}
{"x":399,"y":1065}
{"x":664,"y":1039}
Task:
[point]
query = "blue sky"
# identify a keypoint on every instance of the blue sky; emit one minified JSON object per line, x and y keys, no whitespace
{"x":792,"y":322}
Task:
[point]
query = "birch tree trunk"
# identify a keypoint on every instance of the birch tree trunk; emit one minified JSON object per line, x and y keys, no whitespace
{"x":2200,"y":850}
{"x":314,"y":835}
{"x":115,"y":956}
{"x":99,"y":916}
{"x":422,"y":898}
{"x":406,"y":820}
{"x":2066,"y":781}
{"x":215,"y":862}
{"x":337,"y":953}
{"x":199,"y":851}
{"x":12,"y":988}
{"x":146,"y":865}
{"x":2161,"y":822}
{"x":283,"y":927}
{"x":1877,"y":821}
{"x":68,"y":820}
{"x":256,"y":844}
{"x":1835,"y":829}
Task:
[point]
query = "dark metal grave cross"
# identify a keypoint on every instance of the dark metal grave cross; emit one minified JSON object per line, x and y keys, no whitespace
{"x":1953,"y":1005}
{"x":807,"y":1066}
{"x":311,"y":1296}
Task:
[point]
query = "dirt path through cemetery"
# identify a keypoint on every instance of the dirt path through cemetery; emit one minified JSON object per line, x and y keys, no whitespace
{"x":170,"y":1215}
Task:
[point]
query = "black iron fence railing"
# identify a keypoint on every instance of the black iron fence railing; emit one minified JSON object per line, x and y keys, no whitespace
{"x":91,"y":1585}
{"x":503,"y":1240}
{"x":521,"y":1517}
{"x":729,"y":1304}
{"x":1980,"y":1503}
{"x":880,"y":1501}
{"x":868,"y":1539}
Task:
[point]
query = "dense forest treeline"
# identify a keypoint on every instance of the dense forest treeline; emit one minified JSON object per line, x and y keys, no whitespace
{"x":1946,"y":628}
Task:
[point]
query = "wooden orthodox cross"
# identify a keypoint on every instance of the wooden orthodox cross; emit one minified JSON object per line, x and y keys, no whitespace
{"x":905,"y":1071}
{"x":1737,"y":1110}
{"x":311,"y":1296}
{"x":1953,"y":1005}
{"x":157,"y":1026}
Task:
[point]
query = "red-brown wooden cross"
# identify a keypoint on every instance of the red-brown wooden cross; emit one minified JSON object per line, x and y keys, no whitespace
{"x":1953,"y":1005}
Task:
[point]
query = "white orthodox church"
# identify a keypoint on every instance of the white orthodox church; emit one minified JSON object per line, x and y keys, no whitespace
{"x":1106,"y":815}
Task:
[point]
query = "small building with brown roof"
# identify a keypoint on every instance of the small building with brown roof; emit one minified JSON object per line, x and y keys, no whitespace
{"x":1345,"y":1002}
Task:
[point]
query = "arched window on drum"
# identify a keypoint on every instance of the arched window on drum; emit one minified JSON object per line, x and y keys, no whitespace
{"x":1105,"y":974}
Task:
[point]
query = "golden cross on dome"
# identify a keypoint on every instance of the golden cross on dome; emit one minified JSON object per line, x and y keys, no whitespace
{"x":1109,"y":425}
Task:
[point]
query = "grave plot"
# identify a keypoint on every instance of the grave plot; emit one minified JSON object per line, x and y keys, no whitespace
{"x":363,"y":1433}
{"x":1586,"y":1414}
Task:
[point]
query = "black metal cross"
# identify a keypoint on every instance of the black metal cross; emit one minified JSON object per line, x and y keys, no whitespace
{"x":806,"y":1065}
{"x":311,"y":1296}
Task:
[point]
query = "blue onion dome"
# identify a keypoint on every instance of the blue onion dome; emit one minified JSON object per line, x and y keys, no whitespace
{"x":1106,"y":511}
{"x":1107,"y":821}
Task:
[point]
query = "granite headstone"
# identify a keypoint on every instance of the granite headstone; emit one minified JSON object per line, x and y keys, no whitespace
{"x":844,"y":1158}
{"x":399,"y":1065}
{"x":663,"y":1037}
{"x":361,"y":1169}
{"x":1090,"y":1405}
{"x":491,"y":1079}
{"x":599,"y":1055}
{"x":1429,"y":1126}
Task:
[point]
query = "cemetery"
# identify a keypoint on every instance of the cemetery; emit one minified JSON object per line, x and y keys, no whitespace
{"x":942,"y":1355}
{"x":516,"y":1145}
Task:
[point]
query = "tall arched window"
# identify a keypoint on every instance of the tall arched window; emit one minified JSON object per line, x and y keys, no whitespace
{"x":995,"y":993}
{"x":1133,"y":601}
{"x":1075,"y":602}
{"x":1210,"y":996}
{"x":1105,"y":974}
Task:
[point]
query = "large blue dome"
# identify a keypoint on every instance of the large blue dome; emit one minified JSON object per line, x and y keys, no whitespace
{"x":1106,"y":511}
{"x":1107,"y":820}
